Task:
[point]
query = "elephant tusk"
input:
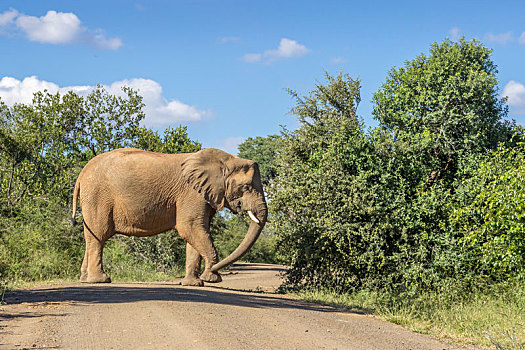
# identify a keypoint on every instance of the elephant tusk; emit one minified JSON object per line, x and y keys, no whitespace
{"x":254,"y":219}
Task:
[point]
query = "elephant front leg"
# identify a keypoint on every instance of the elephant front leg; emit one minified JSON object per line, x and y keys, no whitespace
{"x":211,"y":277}
{"x":199,"y":243}
{"x":193,"y":267}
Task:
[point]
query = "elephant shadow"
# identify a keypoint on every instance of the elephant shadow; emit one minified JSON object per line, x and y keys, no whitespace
{"x":134,"y":292}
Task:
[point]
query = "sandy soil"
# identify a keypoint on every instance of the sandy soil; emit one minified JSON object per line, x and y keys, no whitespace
{"x":242,"y":312}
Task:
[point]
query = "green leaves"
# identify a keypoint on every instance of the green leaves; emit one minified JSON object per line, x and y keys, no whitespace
{"x":492,"y":219}
{"x":318,"y":197}
{"x":444,"y":105}
{"x":360,"y":210}
{"x":262,"y":150}
{"x":171,"y":141}
{"x":47,"y":142}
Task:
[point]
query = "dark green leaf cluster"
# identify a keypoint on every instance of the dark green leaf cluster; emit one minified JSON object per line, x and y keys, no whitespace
{"x":490,"y":218}
{"x":262,"y":150}
{"x":371,"y":210}
{"x":444,"y":107}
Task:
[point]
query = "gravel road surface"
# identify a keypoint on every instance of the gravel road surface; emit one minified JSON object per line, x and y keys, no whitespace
{"x":242,"y":312}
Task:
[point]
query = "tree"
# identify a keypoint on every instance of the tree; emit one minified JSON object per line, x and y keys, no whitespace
{"x":171,"y":141}
{"x":46,"y":143}
{"x":444,"y":114}
{"x":356,"y":210}
{"x":444,"y":107}
{"x":322,"y":199}
{"x":262,"y":150}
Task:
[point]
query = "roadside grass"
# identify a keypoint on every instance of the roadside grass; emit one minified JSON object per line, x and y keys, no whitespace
{"x":40,"y":264}
{"x":495,"y":320}
{"x":123,"y":267}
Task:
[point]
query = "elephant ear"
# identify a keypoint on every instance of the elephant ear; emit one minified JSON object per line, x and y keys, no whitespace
{"x":206,"y":172}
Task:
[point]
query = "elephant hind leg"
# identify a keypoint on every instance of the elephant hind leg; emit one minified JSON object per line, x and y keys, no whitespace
{"x":92,"y":264}
{"x":83,"y":269}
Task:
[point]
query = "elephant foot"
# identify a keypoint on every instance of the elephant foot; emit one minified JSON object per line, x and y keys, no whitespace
{"x":83,"y":277}
{"x":211,"y":277}
{"x":98,"y":278}
{"x":192,"y":281}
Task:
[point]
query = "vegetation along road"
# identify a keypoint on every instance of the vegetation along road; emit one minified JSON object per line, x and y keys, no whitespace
{"x":242,"y":312}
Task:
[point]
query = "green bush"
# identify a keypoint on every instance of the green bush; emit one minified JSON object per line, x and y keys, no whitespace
{"x":42,"y":245}
{"x":356,"y":210}
{"x":491,"y":219}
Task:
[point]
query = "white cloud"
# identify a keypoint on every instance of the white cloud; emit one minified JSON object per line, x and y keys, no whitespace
{"x":229,"y":144}
{"x":338,"y":60}
{"x":455,"y":33}
{"x":515,"y":91}
{"x":252,"y":57}
{"x":8,"y":17}
{"x":521,"y":39}
{"x":55,"y":28}
{"x":502,"y":39}
{"x":287,"y":49}
{"x":15,"y":91}
{"x":228,"y":39}
{"x":160,"y":111}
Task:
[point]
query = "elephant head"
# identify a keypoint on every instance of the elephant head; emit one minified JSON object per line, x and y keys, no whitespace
{"x":227,"y":181}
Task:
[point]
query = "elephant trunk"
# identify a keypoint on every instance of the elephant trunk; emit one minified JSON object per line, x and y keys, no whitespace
{"x":251,"y":236}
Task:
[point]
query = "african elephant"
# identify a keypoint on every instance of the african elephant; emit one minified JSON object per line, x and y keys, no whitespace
{"x":139,"y":193}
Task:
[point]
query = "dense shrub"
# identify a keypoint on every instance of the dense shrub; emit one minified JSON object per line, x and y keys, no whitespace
{"x":491,"y":218}
{"x":358,"y":210}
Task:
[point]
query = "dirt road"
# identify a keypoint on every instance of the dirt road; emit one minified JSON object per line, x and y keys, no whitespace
{"x":242,"y":312}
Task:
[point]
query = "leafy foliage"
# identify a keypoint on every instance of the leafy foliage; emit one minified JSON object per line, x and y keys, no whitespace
{"x":358,"y":210}
{"x":318,"y":199}
{"x":48,"y":142}
{"x":444,"y":108}
{"x":172,"y":140}
{"x":262,"y":150}
{"x":492,"y":221}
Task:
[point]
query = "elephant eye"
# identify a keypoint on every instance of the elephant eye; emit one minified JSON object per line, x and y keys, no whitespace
{"x":245,"y":187}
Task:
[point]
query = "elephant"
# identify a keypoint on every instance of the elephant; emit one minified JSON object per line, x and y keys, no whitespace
{"x":140,"y":193}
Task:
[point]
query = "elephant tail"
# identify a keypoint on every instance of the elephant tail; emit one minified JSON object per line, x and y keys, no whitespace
{"x":75,"y":200}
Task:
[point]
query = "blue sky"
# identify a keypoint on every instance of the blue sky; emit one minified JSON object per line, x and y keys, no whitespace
{"x":222,"y":67}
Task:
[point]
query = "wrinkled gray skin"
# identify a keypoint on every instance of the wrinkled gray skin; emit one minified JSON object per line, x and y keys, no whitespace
{"x":139,"y":193}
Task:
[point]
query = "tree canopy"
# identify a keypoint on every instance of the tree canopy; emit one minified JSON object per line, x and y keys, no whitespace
{"x":356,"y":209}
{"x":263,"y":150}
